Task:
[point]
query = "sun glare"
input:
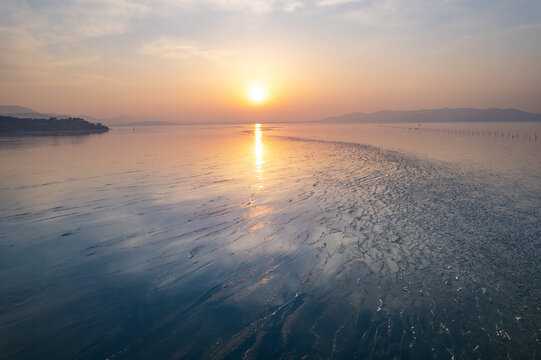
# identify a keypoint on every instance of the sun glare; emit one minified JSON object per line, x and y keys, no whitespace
{"x":257,"y":94}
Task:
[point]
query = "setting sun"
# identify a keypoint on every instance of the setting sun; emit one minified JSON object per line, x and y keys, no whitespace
{"x":257,"y":94}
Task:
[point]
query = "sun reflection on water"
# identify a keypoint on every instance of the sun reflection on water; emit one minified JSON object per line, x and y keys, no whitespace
{"x":258,"y":151}
{"x":258,"y":211}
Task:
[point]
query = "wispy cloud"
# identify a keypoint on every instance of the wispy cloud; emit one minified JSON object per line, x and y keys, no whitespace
{"x":51,"y":21}
{"x":334,"y":2}
{"x":391,"y":13}
{"x":171,"y":48}
{"x":524,"y":27}
{"x":61,"y":21}
{"x":23,"y":60}
{"x":257,"y":6}
{"x":292,"y":6}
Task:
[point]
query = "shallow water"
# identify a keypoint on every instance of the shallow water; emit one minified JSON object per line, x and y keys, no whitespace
{"x":284,"y":241}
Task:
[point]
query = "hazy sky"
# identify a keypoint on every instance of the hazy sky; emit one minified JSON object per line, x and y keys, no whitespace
{"x":192,"y":60}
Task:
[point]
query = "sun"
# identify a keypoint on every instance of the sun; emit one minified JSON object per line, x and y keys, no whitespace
{"x":257,"y":94}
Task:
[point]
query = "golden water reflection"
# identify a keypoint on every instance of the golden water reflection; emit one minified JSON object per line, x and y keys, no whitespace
{"x":258,"y":151}
{"x":257,"y":210}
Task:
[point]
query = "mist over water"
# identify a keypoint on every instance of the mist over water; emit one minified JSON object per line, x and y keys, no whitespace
{"x":282,"y":241}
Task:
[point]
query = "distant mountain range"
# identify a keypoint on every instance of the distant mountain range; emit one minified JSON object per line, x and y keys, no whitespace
{"x":386,"y":116}
{"x":27,"y":113}
{"x":436,"y":115}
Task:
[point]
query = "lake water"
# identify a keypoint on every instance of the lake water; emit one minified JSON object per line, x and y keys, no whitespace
{"x":278,"y":241}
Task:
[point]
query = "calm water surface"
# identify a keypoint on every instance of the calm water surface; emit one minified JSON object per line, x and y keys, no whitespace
{"x":282,"y":241}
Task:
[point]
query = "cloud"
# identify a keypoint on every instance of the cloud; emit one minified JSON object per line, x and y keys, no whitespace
{"x":524,"y":27}
{"x":63,"y":21}
{"x":292,"y":6}
{"x":334,"y":2}
{"x":60,"y":22}
{"x":255,"y":6}
{"x":170,"y":48}
{"x":389,"y":14}
{"x":25,"y":62}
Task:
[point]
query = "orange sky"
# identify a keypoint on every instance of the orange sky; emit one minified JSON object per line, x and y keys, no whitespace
{"x":193,"y":60}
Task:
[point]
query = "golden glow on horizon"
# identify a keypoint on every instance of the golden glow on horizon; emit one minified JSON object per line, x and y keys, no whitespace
{"x":257,"y":94}
{"x":282,"y":69}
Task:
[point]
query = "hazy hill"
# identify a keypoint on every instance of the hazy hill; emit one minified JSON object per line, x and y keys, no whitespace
{"x":24,"y":112}
{"x":13,"y":109}
{"x":436,"y":115}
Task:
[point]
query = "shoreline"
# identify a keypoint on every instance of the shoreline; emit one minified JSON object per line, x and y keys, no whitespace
{"x":20,"y":133}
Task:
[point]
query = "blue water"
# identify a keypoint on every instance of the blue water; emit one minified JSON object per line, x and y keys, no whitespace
{"x":270,"y":242}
